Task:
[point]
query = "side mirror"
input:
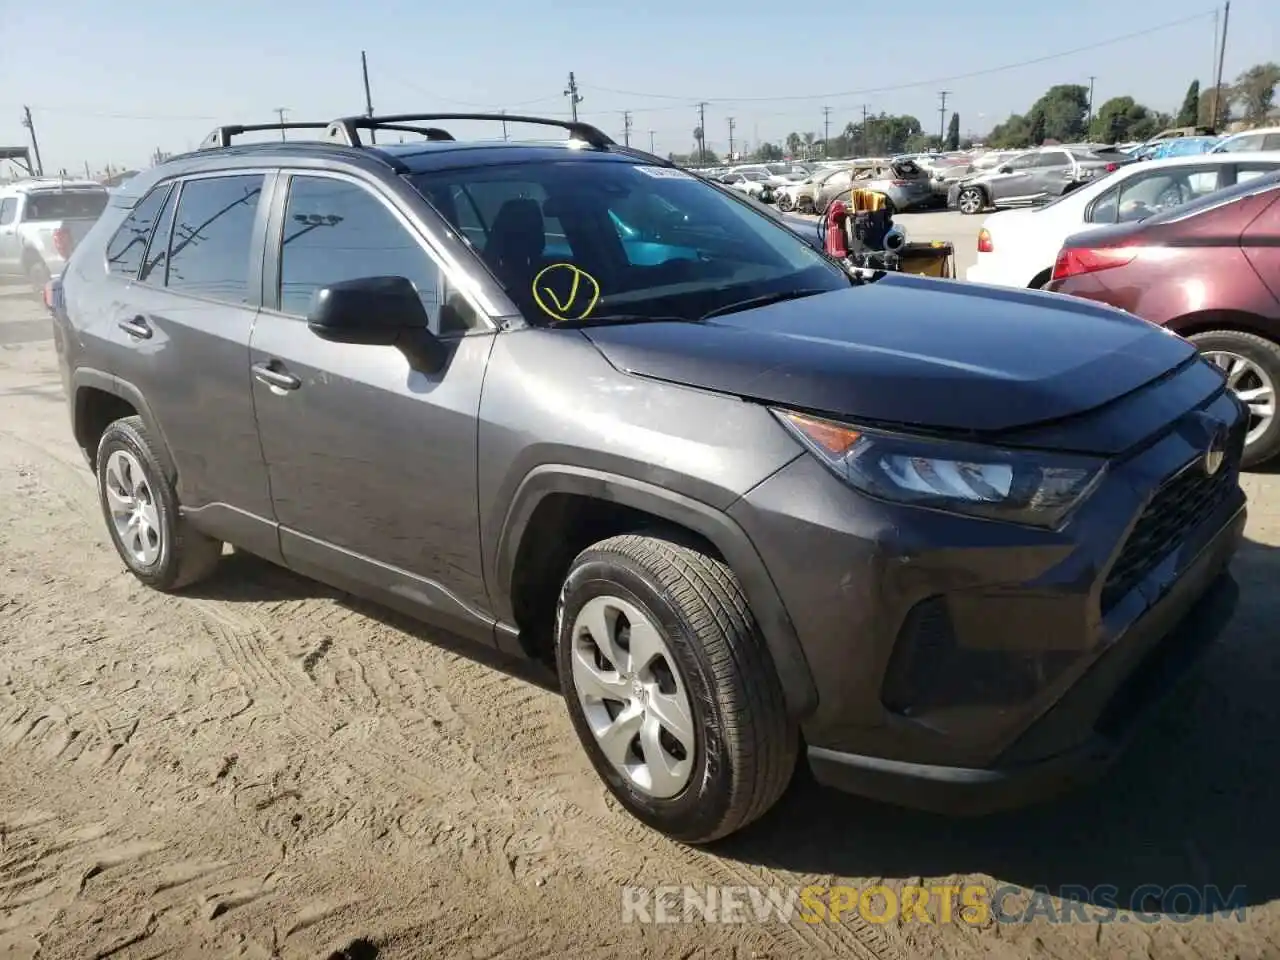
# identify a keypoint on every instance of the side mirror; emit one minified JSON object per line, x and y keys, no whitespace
{"x":1004,"y":168}
{"x":377,"y":312}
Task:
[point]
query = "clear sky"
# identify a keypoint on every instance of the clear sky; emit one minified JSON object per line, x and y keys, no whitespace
{"x":111,"y":82}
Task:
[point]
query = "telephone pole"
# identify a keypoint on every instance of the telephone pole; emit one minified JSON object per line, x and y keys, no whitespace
{"x":702,"y":133}
{"x":731,"y":138}
{"x":626,"y":128}
{"x":368,"y":98}
{"x":1222,"y":53}
{"x":862,"y":147}
{"x":280,"y":112}
{"x":575,"y":98}
{"x":942,"y":118}
{"x":35,"y":144}
{"x":826,"y":131}
{"x":652,"y":148}
{"x":1091,"y":79}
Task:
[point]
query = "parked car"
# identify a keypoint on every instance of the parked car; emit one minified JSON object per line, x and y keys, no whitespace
{"x":751,"y":182}
{"x":902,"y":181}
{"x":41,"y":221}
{"x":1267,"y":138}
{"x":1017,"y":248}
{"x":749,"y":504}
{"x":1031,"y":177}
{"x":1210,"y":271}
{"x":800,"y":196}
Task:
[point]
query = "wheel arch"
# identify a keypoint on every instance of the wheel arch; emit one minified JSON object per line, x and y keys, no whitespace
{"x":531,"y":550}
{"x":1207,"y":321}
{"x":99,"y":399}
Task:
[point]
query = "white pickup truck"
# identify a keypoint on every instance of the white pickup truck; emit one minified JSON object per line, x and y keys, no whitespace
{"x":41,"y":221}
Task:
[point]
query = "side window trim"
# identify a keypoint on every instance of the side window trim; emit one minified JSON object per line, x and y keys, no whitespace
{"x":174,"y":193}
{"x":454,"y":277}
{"x":1112,"y":193}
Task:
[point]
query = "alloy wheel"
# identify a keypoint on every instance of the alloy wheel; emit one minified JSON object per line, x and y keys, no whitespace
{"x":1252,"y":385}
{"x":633,"y":696}
{"x":970,"y":201}
{"x":132,"y":505}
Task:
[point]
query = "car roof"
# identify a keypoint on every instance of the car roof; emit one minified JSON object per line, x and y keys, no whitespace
{"x":1190,"y":160}
{"x":1250,"y":133}
{"x":49,"y":183}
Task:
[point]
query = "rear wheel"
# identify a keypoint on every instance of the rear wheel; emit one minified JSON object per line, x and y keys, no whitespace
{"x":785,"y":202}
{"x":37,"y":275}
{"x":1251,"y":365}
{"x":971,"y":200}
{"x":670,"y":688}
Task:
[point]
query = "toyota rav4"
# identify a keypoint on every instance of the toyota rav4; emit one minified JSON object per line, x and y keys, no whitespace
{"x":567,"y":400}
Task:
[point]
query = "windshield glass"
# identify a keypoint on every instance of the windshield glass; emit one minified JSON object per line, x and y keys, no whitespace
{"x":65,"y":205}
{"x":579,"y":239}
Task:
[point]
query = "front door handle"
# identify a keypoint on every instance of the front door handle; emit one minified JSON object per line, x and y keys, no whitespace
{"x":270,"y":374}
{"x":137,"y":327}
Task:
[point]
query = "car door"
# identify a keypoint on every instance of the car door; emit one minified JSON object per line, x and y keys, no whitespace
{"x":832,"y":187}
{"x":372,"y":462}
{"x":1012,"y":180}
{"x":9,"y":262}
{"x":1261,"y":244}
{"x":1051,"y":171}
{"x":187,"y":282}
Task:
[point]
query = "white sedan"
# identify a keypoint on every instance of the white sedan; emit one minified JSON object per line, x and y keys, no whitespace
{"x":1017,"y":248}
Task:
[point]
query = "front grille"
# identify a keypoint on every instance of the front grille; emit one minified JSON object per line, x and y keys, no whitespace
{"x":1177,"y":508}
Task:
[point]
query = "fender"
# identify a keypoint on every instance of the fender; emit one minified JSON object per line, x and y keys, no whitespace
{"x":87,"y":377}
{"x":711,"y":523}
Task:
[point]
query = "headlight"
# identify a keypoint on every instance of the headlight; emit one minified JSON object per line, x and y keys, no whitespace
{"x":1015,"y":486}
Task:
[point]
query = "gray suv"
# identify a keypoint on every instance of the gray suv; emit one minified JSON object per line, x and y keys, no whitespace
{"x":568,"y":401}
{"x":1032,"y":177}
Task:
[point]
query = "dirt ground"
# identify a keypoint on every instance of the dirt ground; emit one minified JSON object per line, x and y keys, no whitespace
{"x":262,"y":768}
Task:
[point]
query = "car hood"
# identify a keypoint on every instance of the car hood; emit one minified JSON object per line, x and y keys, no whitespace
{"x":912,"y":351}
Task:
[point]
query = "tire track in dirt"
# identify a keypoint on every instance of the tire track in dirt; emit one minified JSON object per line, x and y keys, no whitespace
{"x":500,"y":738}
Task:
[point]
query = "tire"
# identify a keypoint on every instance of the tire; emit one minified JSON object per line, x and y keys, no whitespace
{"x":37,"y":275}
{"x":785,"y":203}
{"x":971,"y":200}
{"x":742,"y":749}
{"x":1263,"y":442}
{"x":165,"y":551}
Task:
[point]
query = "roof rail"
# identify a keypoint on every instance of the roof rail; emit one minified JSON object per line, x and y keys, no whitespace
{"x":346,"y":130}
{"x":221,"y":136}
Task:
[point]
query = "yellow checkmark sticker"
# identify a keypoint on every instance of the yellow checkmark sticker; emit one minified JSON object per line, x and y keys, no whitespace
{"x":564,"y":291}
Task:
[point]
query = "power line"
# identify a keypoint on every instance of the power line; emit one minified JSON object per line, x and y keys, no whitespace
{"x":930,"y":82}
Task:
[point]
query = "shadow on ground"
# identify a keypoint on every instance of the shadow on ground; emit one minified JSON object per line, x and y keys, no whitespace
{"x":1193,"y":801}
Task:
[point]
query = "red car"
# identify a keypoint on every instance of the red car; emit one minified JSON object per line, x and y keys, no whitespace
{"x":1208,"y":270}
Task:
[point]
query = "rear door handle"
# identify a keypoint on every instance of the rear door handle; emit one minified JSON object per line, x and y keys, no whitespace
{"x":137,"y":327}
{"x":269,"y":374}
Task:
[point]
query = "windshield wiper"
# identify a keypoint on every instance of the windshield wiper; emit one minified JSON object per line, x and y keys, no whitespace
{"x":608,"y":319}
{"x":762,"y":301}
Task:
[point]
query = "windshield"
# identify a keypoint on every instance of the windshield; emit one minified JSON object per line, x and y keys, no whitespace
{"x":585,"y":239}
{"x":66,"y":205}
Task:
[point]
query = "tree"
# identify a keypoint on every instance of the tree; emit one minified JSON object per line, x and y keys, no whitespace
{"x":1039,"y":127}
{"x":768,"y":151}
{"x":1013,"y":133}
{"x":1189,"y":115}
{"x":1065,"y":109}
{"x":953,"y":133}
{"x":1255,"y":91}
{"x":1121,"y":119}
{"x":1208,"y":97}
{"x":809,"y":140}
{"x":793,"y":143}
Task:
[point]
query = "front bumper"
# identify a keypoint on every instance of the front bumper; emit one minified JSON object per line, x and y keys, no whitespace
{"x":962,"y":664}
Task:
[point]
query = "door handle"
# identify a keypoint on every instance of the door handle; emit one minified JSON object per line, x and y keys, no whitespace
{"x":268,"y":373}
{"x":137,"y":327}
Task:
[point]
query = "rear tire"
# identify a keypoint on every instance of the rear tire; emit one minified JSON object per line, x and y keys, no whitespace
{"x":676,"y":641}
{"x":1252,"y":365}
{"x":38,"y":275}
{"x":156,"y":543}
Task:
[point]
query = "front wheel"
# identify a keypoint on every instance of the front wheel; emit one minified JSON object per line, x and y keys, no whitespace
{"x":670,"y":687}
{"x":785,"y":202}
{"x":971,"y":200}
{"x":1251,"y":365}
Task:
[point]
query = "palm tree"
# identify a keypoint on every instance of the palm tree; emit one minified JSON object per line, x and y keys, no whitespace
{"x":793,"y":143}
{"x":809,"y":140}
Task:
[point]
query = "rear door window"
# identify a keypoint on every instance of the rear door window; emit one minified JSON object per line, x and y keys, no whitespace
{"x":65,"y":205}
{"x":212,"y":237}
{"x":127,"y":246}
{"x":8,"y":210}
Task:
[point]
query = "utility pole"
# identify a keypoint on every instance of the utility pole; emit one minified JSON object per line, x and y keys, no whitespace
{"x":280,"y":112}
{"x":35,"y":144}
{"x":702,"y":133}
{"x":863,"y":146}
{"x":942,"y":117}
{"x":626,"y":128}
{"x":1091,"y":79}
{"x":368,"y":98}
{"x":731,"y":138}
{"x":504,"y":125}
{"x":652,"y":148}
{"x":826,"y":132}
{"x":1222,"y":53}
{"x":575,"y":98}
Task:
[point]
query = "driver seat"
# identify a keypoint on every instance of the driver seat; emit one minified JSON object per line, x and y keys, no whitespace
{"x":517,"y":240}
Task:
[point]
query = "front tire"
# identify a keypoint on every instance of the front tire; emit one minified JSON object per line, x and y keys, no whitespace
{"x":971,"y":200}
{"x":156,"y":543}
{"x":670,"y":687}
{"x":1251,"y":365}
